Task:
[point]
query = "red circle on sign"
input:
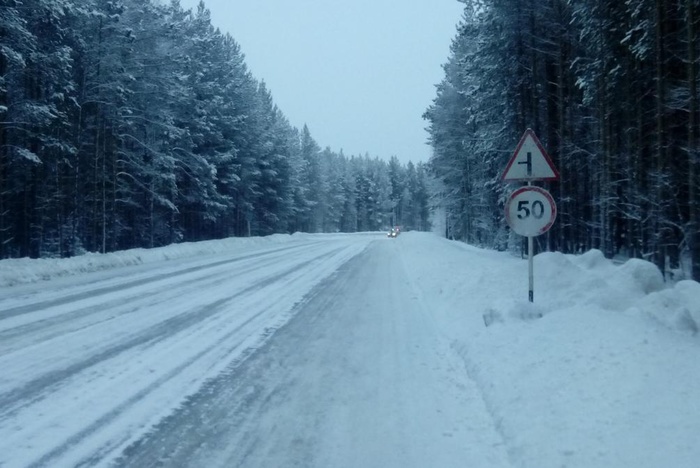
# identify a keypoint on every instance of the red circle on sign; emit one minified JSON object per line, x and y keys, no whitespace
{"x":530,"y":211}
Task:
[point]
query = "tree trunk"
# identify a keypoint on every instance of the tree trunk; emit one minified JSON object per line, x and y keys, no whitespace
{"x":693,"y":227}
{"x":659,"y":227}
{"x":561,"y":133}
{"x":3,"y":150}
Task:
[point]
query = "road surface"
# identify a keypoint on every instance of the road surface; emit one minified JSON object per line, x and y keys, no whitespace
{"x":312,"y":354}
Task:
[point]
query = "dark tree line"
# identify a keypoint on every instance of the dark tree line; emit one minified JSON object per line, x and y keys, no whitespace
{"x":135,"y":123}
{"x":611,"y":89}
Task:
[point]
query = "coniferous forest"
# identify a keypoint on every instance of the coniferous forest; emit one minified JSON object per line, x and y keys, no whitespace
{"x":136,"y":123}
{"x":611,"y":89}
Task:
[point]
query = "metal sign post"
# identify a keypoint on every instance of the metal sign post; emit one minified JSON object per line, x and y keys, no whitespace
{"x":530,"y":263}
{"x":530,"y":210}
{"x":531,"y":268}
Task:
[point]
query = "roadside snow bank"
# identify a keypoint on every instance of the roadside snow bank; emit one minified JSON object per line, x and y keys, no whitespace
{"x":600,"y":371}
{"x":24,"y":270}
{"x":677,"y":308}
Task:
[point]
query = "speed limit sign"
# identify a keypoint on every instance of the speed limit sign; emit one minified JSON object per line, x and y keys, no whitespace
{"x":530,"y":211}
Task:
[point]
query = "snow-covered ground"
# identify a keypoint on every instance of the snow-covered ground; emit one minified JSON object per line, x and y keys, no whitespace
{"x":607,"y":377}
{"x":346,"y":350}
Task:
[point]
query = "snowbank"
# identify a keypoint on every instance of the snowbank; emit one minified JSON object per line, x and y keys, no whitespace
{"x":592,"y":281}
{"x":24,"y":270}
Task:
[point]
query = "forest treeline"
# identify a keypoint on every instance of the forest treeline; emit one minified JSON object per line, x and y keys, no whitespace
{"x":611,"y":89}
{"x":136,"y":123}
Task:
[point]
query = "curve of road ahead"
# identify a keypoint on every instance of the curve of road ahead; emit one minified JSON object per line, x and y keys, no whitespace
{"x":311,"y":354}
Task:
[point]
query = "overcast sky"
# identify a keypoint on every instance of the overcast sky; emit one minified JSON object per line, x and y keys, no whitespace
{"x":359,"y":73}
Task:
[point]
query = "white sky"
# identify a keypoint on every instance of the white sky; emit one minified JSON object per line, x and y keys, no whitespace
{"x":359,"y":73}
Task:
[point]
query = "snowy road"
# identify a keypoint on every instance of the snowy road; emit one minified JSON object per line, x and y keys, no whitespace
{"x":87,"y":368}
{"x":360,"y":378}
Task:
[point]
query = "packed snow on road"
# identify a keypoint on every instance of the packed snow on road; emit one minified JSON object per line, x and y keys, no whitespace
{"x":346,"y":351}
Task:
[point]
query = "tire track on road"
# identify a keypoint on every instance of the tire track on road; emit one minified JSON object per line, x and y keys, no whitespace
{"x":109,"y":310}
{"x":171,"y":442}
{"x":30,"y":308}
{"x":35,"y":390}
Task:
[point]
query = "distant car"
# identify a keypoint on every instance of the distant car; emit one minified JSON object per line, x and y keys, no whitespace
{"x":392,"y":233}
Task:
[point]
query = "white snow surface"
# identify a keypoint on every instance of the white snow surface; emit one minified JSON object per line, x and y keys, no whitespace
{"x":601,"y":371}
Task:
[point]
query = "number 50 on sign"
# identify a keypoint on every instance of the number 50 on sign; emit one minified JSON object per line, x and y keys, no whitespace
{"x":530,"y":211}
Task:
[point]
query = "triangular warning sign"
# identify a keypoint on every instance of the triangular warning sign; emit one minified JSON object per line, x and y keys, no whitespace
{"x":530,"y":161}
